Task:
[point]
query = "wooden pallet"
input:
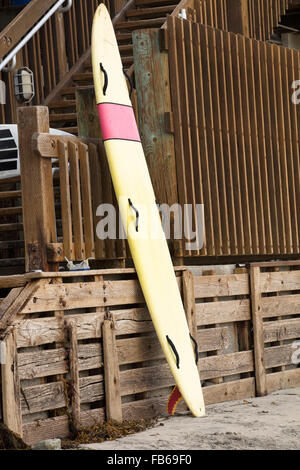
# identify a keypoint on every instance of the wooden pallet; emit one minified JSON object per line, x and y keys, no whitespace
{"x":81,"y":347}
{"x":276,"y":325}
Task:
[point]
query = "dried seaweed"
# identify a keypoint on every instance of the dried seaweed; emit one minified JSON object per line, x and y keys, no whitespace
{"x":10,"y":440}
{"x":108,"y":431}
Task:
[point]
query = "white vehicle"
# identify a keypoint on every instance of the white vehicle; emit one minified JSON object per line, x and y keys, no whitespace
{"x":9,"y":153}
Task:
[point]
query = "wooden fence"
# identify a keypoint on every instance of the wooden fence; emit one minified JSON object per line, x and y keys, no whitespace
{"x":83,"y":347}
{"x":229,"y":115}
{"x":257,"y":19}
{"x":64,"y":180}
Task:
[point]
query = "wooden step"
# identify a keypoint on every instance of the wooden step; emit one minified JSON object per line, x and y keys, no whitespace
{"x":10,"y":194}
{"x":124,"y":37}
{"x":71,"y":130}
{"x":10,"y":244}
{"x":8,"y":263}
{"x":83,"y":77}
{"x":68,"y":91}
{"x":62,"y":104}
{"x":141,"y":3}
{"x":11,"y":227}
{"x":127,"y":61}
{"x":10,"y":211}
{"x":140,"y":24}
{"x":125,"y":48}
{"x":70,"y":117}
{"x":151,"y":12}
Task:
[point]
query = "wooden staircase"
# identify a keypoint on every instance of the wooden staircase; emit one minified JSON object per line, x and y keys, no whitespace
{"x":144,"y":14}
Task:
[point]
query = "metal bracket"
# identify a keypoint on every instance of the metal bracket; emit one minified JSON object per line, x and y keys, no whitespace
{"x":12,"y":66}
{"x":67,"y":7}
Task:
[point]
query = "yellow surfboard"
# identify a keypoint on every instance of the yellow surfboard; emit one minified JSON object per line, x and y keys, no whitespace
{"x":140,"y":214}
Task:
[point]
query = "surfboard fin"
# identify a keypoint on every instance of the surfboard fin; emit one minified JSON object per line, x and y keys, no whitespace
{"x":174,"y":399}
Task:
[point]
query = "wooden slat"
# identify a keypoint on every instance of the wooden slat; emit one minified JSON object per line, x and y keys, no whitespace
{"x":156,"y":377}
{"x":10,"y":385}
{"x":217,"y":127}
{"x":281,"y":330}
{"x":65,"y":198}
{"x":280,"y":306}
{"x":253,"y":50}
{"x":86,"y":190}
{"x":277,"y":356}
{"x":74,"y":373}
{"x":203,"y":144}
{"x":193,"y":116}
{"x":225,"y":134}
{"x":234,"y":152}
{"x":283,"y":380}
{"x":254,"y":169}
{"x":237,"y":79}
{"x":280,"y":281}
{"x":111,"y":373}
{"x":76,"y":201}
{"x":258,"y":332}
{"x":222,"y":312}
{"x":220,"y":286}
{"x":210,"y":138}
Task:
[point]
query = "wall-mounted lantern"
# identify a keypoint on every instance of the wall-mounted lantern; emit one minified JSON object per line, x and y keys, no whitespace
{"x":24,"y":85}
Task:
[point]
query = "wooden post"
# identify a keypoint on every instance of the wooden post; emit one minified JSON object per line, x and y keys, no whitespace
{"x":217,"y":380}
{"x":188,"y":294}
{"x":74,"y":372}
{"x":37,"y":190}
{"x":111,"y":373}
{"x":243,"y":328}
{"x":87,"y":114}
{"x":11,"y":402}
{"x":238,"y":17}
{"x":154,"y":104}
{"x":258,"y":331}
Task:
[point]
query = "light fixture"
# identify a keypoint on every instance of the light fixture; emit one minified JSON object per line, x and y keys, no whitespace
{"x":24,"y":85}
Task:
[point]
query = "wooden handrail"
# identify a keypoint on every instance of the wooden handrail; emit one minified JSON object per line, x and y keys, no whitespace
{"x":22,"y":23}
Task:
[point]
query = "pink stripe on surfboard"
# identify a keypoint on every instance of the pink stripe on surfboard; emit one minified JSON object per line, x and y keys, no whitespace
{"x":118,"y":122}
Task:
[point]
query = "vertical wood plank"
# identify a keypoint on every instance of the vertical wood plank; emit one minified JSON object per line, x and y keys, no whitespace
{"x":86,"y":190}
{"x":176,"y":107}
{"x":249,"y":155}
{"x":111,"y":373}
{"x":65,"y":199}
{"x":193,"y":117}
{"x":217,"y":126}
{"x":238,"y":98}
{"x":74,"y":372}
{"x":97,"y":198}
{"x":254,"y":51}
{"x":211,"y":139}
{"x":204,"y":156}
{"x":11,"y":398}
{"x":188,"y":294}
{"x":234,"y":150}
{"x":217,"y":380}
{"x":258,"y":331}
{"x":76,"y":201}
{"x":225,"y":133}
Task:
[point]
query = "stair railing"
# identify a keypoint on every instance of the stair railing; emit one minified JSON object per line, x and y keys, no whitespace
{"x":16,"y":28}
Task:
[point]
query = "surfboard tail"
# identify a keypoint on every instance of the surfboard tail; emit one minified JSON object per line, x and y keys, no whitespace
{"x":173,"y":401}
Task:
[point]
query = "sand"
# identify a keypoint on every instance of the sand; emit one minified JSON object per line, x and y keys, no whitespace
{"x":267,"y":423}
